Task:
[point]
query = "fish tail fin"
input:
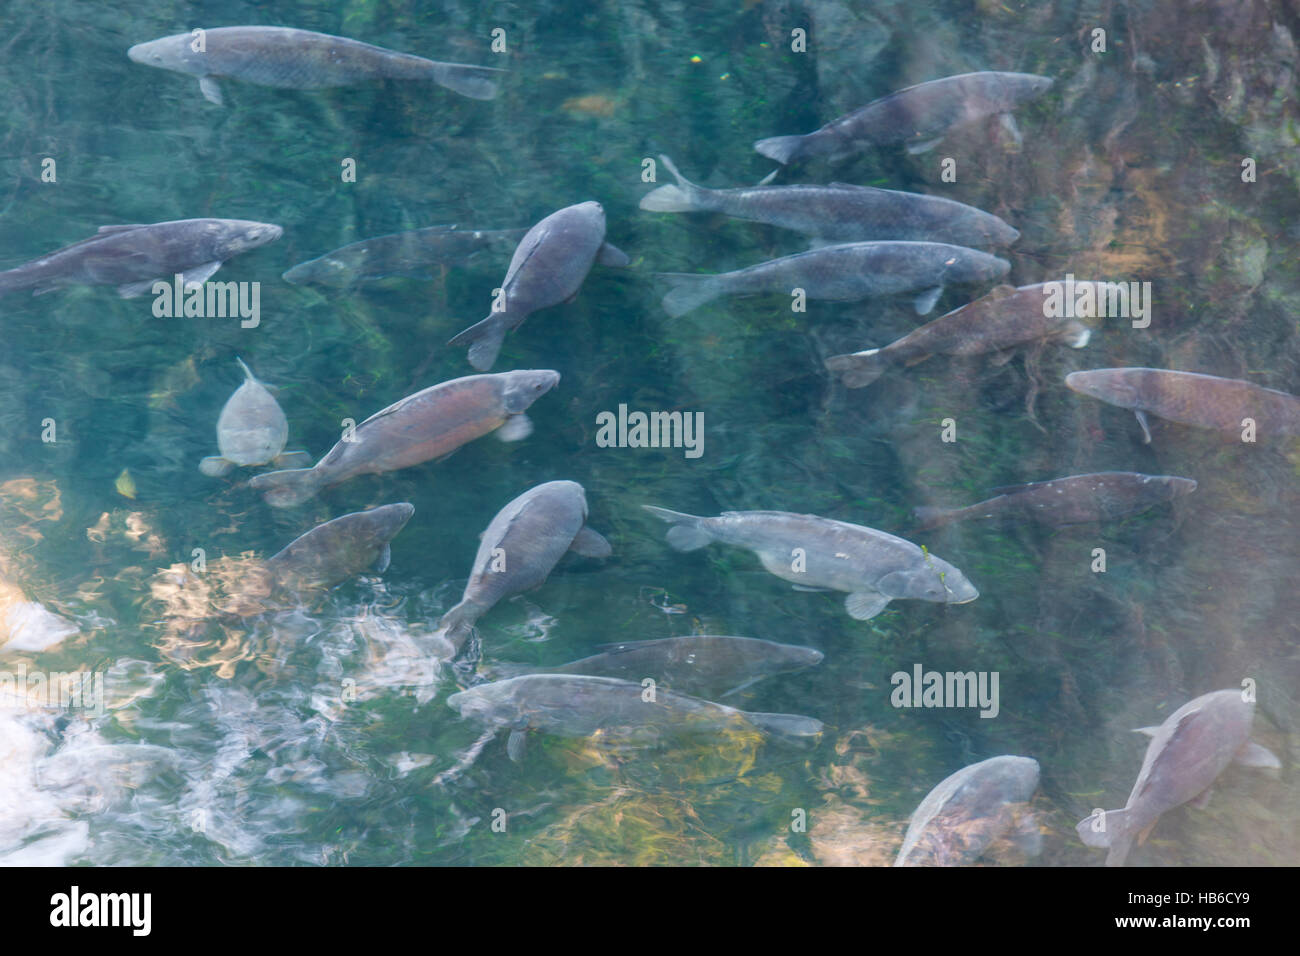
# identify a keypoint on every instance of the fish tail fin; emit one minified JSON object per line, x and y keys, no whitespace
{"x":1108,"y":829}
{"x":457,"y":625}
{"x":780,"y":148}
{"x":476,"y":82}
{"x":690,"y":291}
{"x":686,"y":534}
{"x":858,"y":369}
{"x":927,"y":518}
{"x":284,"y":489}
{"x":679,"y":198}
{"x":786,"y":725}
{"x":484,"y":341}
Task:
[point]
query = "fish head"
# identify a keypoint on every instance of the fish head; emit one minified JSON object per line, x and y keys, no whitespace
{"x":1173,"y":486}
{"x":525,"y":386}
{"x":484,"y":702}
{"x":937,"y":581}
{"x":1018,"y":777}
{"x":1001,"y":233}
{"x":796,"y":657}
{"x":240,"y":235}
{"x":1114,"y":386}
{"x":383,"y":523}
{"x":169,"y":53}
{"x":968,"y":265}
{"x":591,"y":211}
{"x":326,"y":271}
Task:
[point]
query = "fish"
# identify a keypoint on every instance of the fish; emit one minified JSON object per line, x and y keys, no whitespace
{"x":548,"y":268}
{"x":332,"y":552}
{"x":570,"y":705}
{"x":400,"y":254}
{"x":845,"y":272}
{"x":872,"y":566}
{"x":1104,"y":496}
{"x":700,"y":664}
{"x":251,"y":430}
{"x":1184,"y":757}
{"x":972,"y":809}
{"x":301,"y":60}
{"x":428,"y":424}
{"x":1005,"y":318}
{"x":839,"y":212}
{"x":27,"y":625}
{"x":134,"y":257}
{"x":919,"y":116}
{"x":1191,"y":398}
{"x":520,"y":547}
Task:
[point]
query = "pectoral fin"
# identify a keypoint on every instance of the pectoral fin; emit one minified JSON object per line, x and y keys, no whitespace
{"x":1149,"y":731}
{"x":130,"y":290}
{"x":1253,"y":755}
{"x":517,"y":745}
{"x":864,"y":605}
{"x":516,"y":428}
{"x":611,"y":256}
{"x":924,"y":146}
{"x":590,"y":544}
{"x":1077,"y":334}
{"x":384,"y":559}
{"x":211,"y":90}
{"x":1146,"y":428}
{"x":192,"y":278}
{"x":926,"y":300}
{"x":1009,"y":124}
{"x":811,"y":590}
{"x":215,"y":466}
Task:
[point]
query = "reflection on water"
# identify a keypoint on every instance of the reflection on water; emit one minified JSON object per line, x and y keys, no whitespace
{"x":233,"y":728}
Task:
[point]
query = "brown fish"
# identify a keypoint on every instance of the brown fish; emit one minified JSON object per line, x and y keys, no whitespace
{"x":429,"y":424}
{"x":1104,"y":496}
{"x":1187,"y":752}
{"x":1190,"y":398}
{"x":1003,"y":319}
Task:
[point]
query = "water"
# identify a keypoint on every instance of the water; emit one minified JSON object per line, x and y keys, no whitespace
{"x":229,"y":741}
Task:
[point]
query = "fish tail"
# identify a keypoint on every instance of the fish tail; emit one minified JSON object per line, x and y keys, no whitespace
{"x":1109,"y":829}
{"x":484,"y":340}
{"x":786,"y":725}
{"x":686,"y":534}
{"x":457,"y":625}
{"x":476,"y":82}
{"x":690,"y":291}
{"x":858,"y":369}
{"x":679,"y":198}
{"x":780,"y":148}
{"x":927,"y":518}
{"x":284,"y":489}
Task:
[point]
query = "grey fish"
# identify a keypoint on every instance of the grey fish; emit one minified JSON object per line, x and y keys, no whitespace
{"x":919,"y":116}
{"x":251,"y":430}
{"x":569,"y":705}
{"x":400,"y":254}
{"x":428,"y":424}
{"x":845,"y":273}
{"x":134,"y":257}
{"x":301,"y":60}
{"x":967,"y":812}
{"x":1005,"y":318}
{"x":701,"y":664}
{"x":332,"y":552}
{"x":1189,"y":398}
{"x":839,"y":211}
{"x":1186,"y":753}
{"x":872,"y":566}
{"x":548,"y":268}
{"x":523,"y":543}
{"x":1104,"y":496}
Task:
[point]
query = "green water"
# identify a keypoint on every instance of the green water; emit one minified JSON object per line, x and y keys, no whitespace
{"x":1130,"y":169}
